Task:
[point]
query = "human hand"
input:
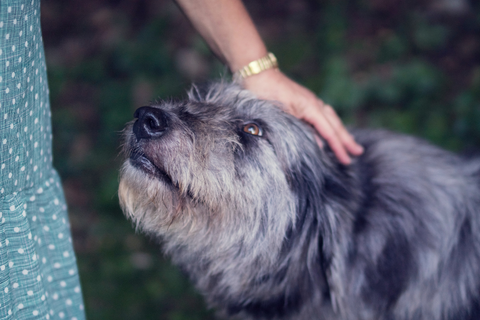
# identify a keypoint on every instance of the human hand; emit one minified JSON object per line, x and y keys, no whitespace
{"x":303,"y":104}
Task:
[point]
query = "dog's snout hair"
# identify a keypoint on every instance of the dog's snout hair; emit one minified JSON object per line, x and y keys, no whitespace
{"x":270,"y":226}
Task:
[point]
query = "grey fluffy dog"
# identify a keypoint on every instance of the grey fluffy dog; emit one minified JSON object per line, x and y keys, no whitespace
{"x":268,"y":225}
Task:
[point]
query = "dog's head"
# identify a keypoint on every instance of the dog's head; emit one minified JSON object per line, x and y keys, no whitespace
{"x":219,"y":164}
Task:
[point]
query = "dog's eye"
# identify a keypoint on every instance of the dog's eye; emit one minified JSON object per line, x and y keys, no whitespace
{"x":253,"y":129}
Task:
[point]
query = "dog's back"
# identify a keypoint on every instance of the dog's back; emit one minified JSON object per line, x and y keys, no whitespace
{"x":415,"y":245}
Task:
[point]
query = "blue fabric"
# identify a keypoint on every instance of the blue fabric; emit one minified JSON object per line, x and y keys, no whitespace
{"x":38,"y":272}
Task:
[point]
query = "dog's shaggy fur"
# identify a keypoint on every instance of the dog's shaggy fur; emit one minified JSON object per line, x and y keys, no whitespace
{"x":270,"y":226}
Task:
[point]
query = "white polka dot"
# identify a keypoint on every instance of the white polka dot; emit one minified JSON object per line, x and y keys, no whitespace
{"x":30,"y":293}
{"x":16,"y":229}
{"x":15,"y":285}
{"x":10,"y":264}
{"x":20,"y":306}
{"x":12,"y":208}
{"x":25,"y":272}
{"x":35,"y":312}
{"x":63,"y":284}
{"x":21,"y":251}
{"x":6,"y":290}
{"x":57,"y":265}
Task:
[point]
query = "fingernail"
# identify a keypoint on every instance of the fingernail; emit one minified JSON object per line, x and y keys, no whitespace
{"x":319,"y":142}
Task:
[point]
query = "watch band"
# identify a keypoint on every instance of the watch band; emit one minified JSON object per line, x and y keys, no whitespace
{"x":257,"y":66}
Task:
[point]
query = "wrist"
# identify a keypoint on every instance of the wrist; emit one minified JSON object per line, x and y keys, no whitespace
{"x":271,"y":79}
{"x":243,"y":57}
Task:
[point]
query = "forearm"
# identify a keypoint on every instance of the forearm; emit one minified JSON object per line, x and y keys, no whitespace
{"x":227,"y":28}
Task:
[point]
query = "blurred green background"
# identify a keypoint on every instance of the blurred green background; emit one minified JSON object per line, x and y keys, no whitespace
{"x":410,"y":66}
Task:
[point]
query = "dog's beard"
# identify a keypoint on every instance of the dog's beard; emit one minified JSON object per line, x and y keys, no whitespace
{"x":144,"y":198}
{"x":242,"y":211}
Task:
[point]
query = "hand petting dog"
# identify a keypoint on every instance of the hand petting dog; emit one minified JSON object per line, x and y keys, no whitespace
{"x":303,"y":104}
{"x":236,"y":42}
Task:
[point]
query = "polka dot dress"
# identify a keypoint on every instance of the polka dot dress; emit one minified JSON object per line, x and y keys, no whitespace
{"x":38,"y":273}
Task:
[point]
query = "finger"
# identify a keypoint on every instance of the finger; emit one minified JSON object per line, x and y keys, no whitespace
{"x":346,"y":138}
{"x":326,"y":130}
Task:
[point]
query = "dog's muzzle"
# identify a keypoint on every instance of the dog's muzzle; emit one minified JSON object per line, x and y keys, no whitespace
{"x":151,"y":123}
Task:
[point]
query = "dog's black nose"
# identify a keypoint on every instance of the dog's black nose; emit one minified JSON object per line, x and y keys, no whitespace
{"x":151,"y":123}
